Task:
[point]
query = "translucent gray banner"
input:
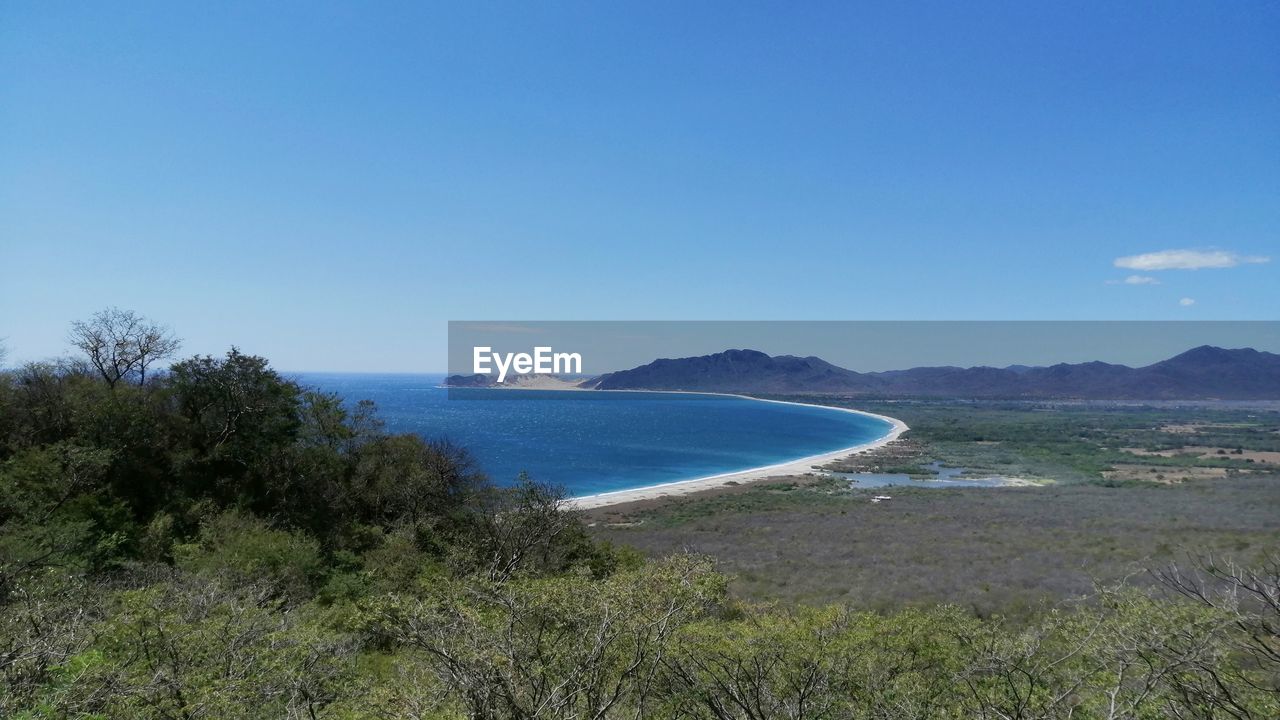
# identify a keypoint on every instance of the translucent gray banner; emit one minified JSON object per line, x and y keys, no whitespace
{"x":558,"y":354}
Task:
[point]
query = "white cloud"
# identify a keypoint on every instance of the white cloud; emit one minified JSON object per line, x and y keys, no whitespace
{"x":1136,"y":280}
{"x":1141,"y":280}
{"x":1186,"y":260}
{"x":1187,"y":302}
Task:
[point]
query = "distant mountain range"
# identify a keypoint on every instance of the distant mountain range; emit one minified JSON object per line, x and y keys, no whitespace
{"x":1202,"y":373}
{"x":1205,"y":372}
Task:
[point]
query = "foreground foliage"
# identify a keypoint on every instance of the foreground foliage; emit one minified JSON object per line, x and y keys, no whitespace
{"x":658,"y":640}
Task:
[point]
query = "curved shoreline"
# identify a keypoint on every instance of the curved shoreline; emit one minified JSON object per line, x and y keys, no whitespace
{"x":799,"y":466}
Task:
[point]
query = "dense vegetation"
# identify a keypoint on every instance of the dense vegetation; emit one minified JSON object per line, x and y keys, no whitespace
{"x":216,"y":541}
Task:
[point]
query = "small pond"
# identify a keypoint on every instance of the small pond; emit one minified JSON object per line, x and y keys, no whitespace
{"x":945,"y":477}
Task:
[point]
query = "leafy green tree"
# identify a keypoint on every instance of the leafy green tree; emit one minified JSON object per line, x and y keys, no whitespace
{"x":236,"y":417}
{"x":245,"y":549}
{"x":38,"y":407}
{"x":55,"y":513}
{"x":402,"y":478}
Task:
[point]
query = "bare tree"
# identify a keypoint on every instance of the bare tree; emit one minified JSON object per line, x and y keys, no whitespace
{"x":121,"y":344}
{"x":521,"y":526}
{"x":564,"y":648}
{"x":1248,"y":598}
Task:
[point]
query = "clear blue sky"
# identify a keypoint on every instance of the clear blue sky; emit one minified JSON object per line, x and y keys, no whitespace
{"x":327,"y":185}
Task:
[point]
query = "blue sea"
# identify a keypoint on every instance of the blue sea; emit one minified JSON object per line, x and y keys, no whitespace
{"x":598,"y":441}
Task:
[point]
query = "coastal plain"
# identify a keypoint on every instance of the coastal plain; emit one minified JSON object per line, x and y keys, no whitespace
{"x":1122,"y":488}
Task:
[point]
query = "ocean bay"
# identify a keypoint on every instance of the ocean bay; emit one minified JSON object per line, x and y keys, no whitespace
{"x":600,"y":441}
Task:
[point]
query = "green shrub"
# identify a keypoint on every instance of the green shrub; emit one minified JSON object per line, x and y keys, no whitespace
{"x":248,"y":549}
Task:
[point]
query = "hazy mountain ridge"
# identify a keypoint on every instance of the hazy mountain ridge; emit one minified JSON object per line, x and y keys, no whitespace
{"x":1205,"y":372}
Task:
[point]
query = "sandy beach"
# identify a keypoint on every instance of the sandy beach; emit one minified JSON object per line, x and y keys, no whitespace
{"x":799,"y":466}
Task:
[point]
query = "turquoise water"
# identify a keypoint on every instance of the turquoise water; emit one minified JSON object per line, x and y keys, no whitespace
{"x":597,"y":441}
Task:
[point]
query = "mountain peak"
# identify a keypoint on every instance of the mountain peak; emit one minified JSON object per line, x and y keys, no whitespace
{"x":731,"y":371}
{"x":743,"y":354}
{"x":1212,"y":355}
